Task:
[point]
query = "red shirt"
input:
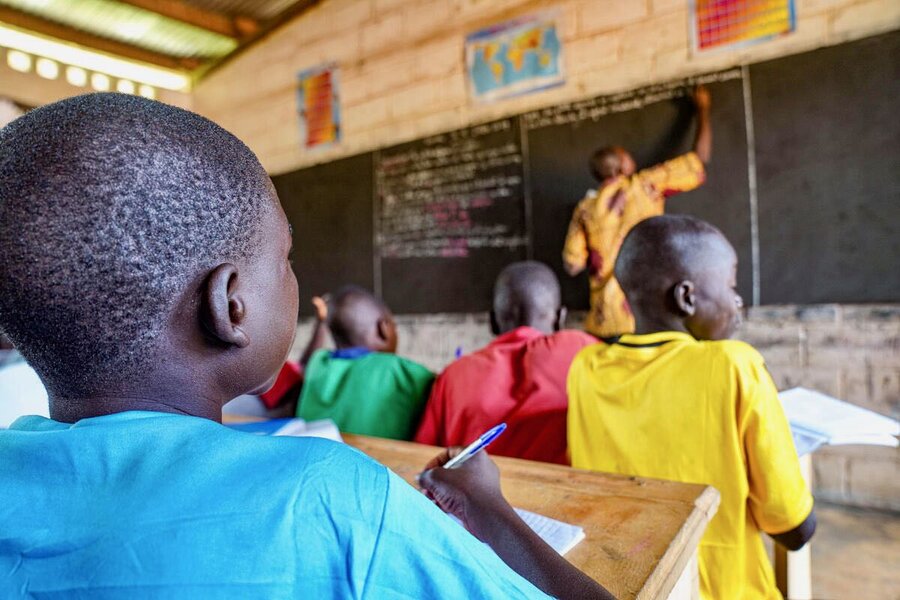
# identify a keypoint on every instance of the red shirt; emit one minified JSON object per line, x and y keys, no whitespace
{"x":519,"y":379}
{"x":289,"y":376}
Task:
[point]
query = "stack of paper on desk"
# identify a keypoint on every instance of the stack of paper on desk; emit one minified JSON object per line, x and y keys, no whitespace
{"x":817,"y":419}
{"x":562,"y":537}
{"x":324,"y":428}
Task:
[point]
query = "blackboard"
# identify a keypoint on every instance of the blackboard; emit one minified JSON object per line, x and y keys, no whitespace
{"x":561,"y":139}
{"x":450,"y":216}
{"x":330,"y":208}
{"x":804,"y":181}
{"x":828,"y":161}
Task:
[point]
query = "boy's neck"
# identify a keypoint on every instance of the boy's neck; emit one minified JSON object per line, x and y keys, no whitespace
{"x":71,"y":410}
{"x":646,"y":325}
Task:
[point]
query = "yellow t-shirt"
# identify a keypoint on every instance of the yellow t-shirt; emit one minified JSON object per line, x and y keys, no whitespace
{"x":603,"y":219}
{"x":667,"y":406}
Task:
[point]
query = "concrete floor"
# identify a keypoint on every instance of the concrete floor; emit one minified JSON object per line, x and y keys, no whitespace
{"x":856,"y":554}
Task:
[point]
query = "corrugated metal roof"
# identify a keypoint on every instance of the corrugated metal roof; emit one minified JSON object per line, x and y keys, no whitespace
{"x":261,"y":10}
{"x":176,"y":34}
{"x":130,"y":25}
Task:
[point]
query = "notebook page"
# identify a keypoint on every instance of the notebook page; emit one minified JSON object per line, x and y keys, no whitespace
{"x":562,"y":537}
{"x":840,"y":422}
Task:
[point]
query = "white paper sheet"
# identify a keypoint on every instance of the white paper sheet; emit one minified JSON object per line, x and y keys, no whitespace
{"x":562,"y":537}
{"x":817,"y":419}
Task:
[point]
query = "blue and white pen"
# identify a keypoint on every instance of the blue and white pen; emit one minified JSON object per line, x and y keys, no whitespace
{"x":475,"y":447}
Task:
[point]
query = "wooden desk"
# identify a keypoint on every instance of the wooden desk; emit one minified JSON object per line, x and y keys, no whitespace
{"x":642,"y":534}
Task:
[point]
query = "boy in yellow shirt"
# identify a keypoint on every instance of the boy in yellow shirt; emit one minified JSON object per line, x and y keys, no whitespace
{"x":678,"y":400}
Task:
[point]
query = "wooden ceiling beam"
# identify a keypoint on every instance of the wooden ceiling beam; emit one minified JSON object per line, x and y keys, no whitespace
{"x":293,"y":11}
{"x":238,"y":28}
{"x":76,"y":36}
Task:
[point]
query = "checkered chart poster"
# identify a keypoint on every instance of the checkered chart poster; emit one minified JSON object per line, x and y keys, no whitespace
{"x":734,"y":23}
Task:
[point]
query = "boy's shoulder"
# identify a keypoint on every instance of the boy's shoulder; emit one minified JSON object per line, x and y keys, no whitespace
{"x":573,"y":337}
{"x":293,"y":462}
{"x":734,"y":351}
{"x":396,"y":362}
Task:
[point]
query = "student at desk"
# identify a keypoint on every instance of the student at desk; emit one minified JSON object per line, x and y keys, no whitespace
{"x":362,"y":385}
{"x":146,"y":278}
{"x":678,"y":400}
{"x":519,"y":378}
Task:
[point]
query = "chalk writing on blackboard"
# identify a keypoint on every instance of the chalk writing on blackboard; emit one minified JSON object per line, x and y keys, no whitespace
{"x":451,"y":193}
{"x":595,"y":108}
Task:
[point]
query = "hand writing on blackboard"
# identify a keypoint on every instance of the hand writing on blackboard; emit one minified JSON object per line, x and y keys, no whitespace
{"x":701,"y":97}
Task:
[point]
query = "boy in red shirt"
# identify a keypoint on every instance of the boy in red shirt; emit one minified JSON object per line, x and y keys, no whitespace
{"x":519,"y":378}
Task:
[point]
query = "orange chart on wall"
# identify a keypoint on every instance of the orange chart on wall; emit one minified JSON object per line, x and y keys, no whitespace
{"x":317,"y":102}
{"x":734,"y":23}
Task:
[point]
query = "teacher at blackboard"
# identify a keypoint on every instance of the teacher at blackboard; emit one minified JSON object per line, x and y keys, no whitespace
{"x":625,"y":197}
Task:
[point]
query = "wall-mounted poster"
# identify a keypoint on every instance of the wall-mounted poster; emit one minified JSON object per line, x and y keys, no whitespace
{"x":515,"y":57}
{"x":717,"y":24}
{"x":318,"y":107}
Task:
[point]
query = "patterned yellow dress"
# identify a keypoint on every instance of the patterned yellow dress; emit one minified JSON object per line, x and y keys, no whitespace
{"x":603,"y":219}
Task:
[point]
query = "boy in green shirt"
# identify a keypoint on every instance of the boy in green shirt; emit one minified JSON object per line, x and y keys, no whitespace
{"x":362,"y":385}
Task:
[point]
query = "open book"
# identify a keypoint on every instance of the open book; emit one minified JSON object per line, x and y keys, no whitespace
{"x":817,"y":419}
{"x":324,"y":428}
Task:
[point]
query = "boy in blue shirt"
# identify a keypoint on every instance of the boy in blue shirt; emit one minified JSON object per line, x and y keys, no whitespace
{"x":146,"y":278}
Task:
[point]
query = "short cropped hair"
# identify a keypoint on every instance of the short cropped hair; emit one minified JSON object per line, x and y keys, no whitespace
{"x":110,"y":205}
{"x":662,"y":249}
{"x":352,"y":314}
{"x":605,"y":163}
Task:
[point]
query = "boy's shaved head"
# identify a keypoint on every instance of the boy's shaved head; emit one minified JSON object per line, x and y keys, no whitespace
{"x":526,"y":294}
{"x":662,"y":253}
{"x":353,"y":318}
{"x":109,"y":205}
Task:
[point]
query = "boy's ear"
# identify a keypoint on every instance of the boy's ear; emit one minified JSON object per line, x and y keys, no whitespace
{"x":495,"y":326}
{"x":382,"y":328}
{"x":560,"y":321}
{"x":386,"y":329}
{"x":684,"y":297}
{"x":222,"y":310}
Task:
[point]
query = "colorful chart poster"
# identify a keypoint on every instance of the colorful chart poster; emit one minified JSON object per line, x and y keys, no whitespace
{"x":318,"y":107}
{"x":717,"y":24}
{"x":515,"y":57}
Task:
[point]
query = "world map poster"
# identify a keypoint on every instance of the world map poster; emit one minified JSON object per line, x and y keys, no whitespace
{"x":515,"y":57}
{"x":717,"y":24}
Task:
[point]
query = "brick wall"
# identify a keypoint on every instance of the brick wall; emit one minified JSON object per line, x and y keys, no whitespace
{"x":402,"y":73}
{"x":850,"y":352}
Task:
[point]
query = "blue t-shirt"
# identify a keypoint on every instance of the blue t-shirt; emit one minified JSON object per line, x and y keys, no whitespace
{"x":143,"y":504}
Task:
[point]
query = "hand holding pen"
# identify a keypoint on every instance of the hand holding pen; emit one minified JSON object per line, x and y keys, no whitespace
{"x":468,"y":483}
{"x":475,"y":447}
{"x":470,"y":491}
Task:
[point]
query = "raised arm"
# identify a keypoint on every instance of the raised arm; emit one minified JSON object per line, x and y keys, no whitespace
{"x":320,"y":334}
{"x":472,"y":494}
{"x":703,"y":141}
